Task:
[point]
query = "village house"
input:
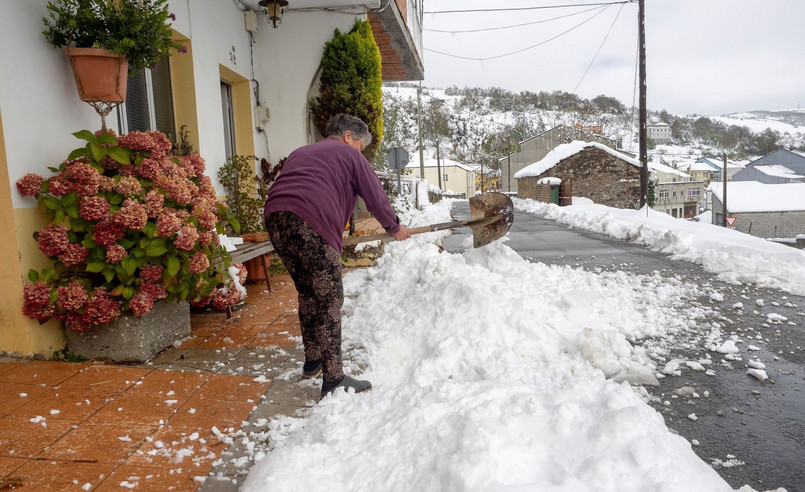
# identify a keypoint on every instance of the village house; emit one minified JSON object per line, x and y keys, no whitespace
{"x":778,"y":167}
{"x":676,"y":193}
{"x":760,"y":209}
{"x":453,"y":178}
{"x":241,"y":88}
{"x":535,"y":148}
{"x":658,"y":132}
{"x":596,"y":171}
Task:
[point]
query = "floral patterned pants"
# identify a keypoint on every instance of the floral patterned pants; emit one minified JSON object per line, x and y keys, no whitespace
{"x":315,"y":268}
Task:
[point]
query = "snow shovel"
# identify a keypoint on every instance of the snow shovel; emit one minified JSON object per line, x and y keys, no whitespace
{"x":492,"y":216}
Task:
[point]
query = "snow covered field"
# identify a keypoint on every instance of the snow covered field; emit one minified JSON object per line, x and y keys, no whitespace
{"x":493,"y":373}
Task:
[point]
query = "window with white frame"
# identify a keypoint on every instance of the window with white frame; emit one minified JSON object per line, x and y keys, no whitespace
{"x":663,"y":194}
{"x":149,"y":102}
{"x":229,"y":119}
{"x":694,"y":193}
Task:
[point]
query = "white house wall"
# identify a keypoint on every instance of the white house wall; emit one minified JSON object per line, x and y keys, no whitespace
{"x":38,"y":97}
{"x":286,"y":62}
{"x":217,"y":31}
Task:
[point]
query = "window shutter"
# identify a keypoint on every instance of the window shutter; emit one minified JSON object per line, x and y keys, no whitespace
{"x":137,"y":116}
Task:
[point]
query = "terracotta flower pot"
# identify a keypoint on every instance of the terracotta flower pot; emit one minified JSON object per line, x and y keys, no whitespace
{"x":100,"y":75}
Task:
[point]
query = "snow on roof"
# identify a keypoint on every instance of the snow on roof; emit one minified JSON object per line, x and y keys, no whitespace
{"x":696,"y":166}
{"x":719,"y":163}
{"x":562,"y":152}
{"x":667,"y":169}
{"x":777,"y":171}
{"x":753,"y":196}
{"x":442,"y":163}
{"x":659,"y":123}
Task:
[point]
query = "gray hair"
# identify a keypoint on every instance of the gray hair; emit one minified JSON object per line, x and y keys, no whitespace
{"x":341,"y":123}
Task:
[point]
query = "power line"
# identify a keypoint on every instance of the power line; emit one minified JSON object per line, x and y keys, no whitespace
{"x":524,"y":49}
{"x":513,"y":26}
{"x":511,"y":9}
{"x":599,"y":49}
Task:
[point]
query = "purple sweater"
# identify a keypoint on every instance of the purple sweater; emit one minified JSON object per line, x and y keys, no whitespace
{"x":321,"y":182}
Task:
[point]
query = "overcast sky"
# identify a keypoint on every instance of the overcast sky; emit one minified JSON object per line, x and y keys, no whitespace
{"x":703,"y":56}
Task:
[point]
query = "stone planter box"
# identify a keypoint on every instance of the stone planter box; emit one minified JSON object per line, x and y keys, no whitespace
{"x":132,"y":338}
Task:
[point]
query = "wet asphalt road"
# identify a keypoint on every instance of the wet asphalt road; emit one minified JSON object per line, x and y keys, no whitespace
{"x":751,"y":432}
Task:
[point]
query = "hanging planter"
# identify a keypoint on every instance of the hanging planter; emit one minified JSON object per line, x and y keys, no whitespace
{"x":100,"y":75}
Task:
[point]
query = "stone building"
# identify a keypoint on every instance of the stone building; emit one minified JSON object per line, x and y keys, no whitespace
{"x":535,"y":148}
{"x":762,"y":210}
{"x":596,"y":171}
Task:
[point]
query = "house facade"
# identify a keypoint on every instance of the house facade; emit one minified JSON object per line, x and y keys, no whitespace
{"x":778,"y":167}
{"x":455,"y":178}
{"x":677,"y":193}
{"x":241,"y":88}
{"x":597,"y":172}
{"x":535,"y":148}
{"x":762,"y":210}
{"x":658,"y":132}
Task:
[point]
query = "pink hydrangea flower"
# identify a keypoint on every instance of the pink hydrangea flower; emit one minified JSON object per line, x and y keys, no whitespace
{"x":187,"y":239}
{"x":129,"y":186}
{"x":115,"y":253}
{"x":93,"y":208}
{"x":36,"y":301}
{"x":100,"y":308}
{"x":198,"y":262}
{"x":108,"y":233}
{"x":149,"y":169}
{"x":157,"y":291}
{"x":59,"y":186}
{"x":30,"y":184}
{"x":141,"y":303}
{"x":132,"y":215}
{"x":53,"y":239}
{"x":74,"y":254}
{"x":72,"y":297}
{"x":151,"y":273}
{"x":168,"y":223}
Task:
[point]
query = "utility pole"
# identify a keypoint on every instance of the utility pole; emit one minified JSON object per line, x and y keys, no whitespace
{"x":724,"y":201}
{"x":643,"y":123}
{"x":419,"y":128}
{"x":439,"y":167}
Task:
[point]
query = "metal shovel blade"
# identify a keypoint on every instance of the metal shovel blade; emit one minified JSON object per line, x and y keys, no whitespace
{"x":492,"y":216}
{"x":491,"y":213}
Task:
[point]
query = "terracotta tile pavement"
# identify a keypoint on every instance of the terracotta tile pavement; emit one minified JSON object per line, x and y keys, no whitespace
{"x":99,"y":426}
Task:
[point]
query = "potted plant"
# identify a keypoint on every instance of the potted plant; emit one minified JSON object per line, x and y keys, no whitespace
{"x":245,"y":198}
{"x":131,"y":228}
{"x":112,"y":37}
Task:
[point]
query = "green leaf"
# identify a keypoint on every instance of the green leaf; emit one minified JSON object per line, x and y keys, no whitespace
{"x":137,"y":253}
{"x":109,"y":274}
{"x":119,"y":154}
{"x":69,"y":199}
{"x":47,"y":274}
{"x":33,"y":275}
{"x":107,"y":138}
{"x":51,"y":203}
{"x":85,"y":135}
{"x":126,"y":243}
{"x":82,"y":152}
{"x":173,"y":264}
{"x":88,"y":242}
{"x":72,"y":212}
{"x":129,"y":265}
{"x":156,"y":248}
{"x":97,"y":153}
{"x":55,"y":169}
{"x":128,"y":293}
{"x":95,"y":266}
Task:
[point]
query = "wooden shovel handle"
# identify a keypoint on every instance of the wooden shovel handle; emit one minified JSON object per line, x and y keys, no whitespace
{"x":385,"y":236}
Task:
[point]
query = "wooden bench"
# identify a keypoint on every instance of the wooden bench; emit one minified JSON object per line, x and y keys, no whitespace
{"x":247,"y":251}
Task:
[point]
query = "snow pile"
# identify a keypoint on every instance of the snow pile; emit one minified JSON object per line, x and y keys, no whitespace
{"x":491,"y":373}
{"x":735,"y":257}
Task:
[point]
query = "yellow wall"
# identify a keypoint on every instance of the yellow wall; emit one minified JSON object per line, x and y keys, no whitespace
{"x":18,"y":333}
{"x":184,"y":91}
{"x":242,"y":106}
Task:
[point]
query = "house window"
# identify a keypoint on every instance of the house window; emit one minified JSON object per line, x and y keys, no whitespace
{"x":674,"y":195}
{"x":663,"y":194}
{"x":444,"y":177}
{"x":149,"y":102}
{"x":694,"y":194}
{"x":673,"y":213}
{"x":229,"y":119}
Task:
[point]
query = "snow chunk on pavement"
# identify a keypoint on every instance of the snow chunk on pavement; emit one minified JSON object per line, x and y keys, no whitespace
{"x":758,"y":373}
{"x":728,"y":347}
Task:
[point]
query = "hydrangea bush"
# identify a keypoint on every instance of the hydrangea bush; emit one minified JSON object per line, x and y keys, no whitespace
{"x":130,"y":226}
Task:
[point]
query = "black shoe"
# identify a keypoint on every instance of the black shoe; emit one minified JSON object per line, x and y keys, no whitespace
{"x":311,"y":369}
{"x":346,"y":383}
